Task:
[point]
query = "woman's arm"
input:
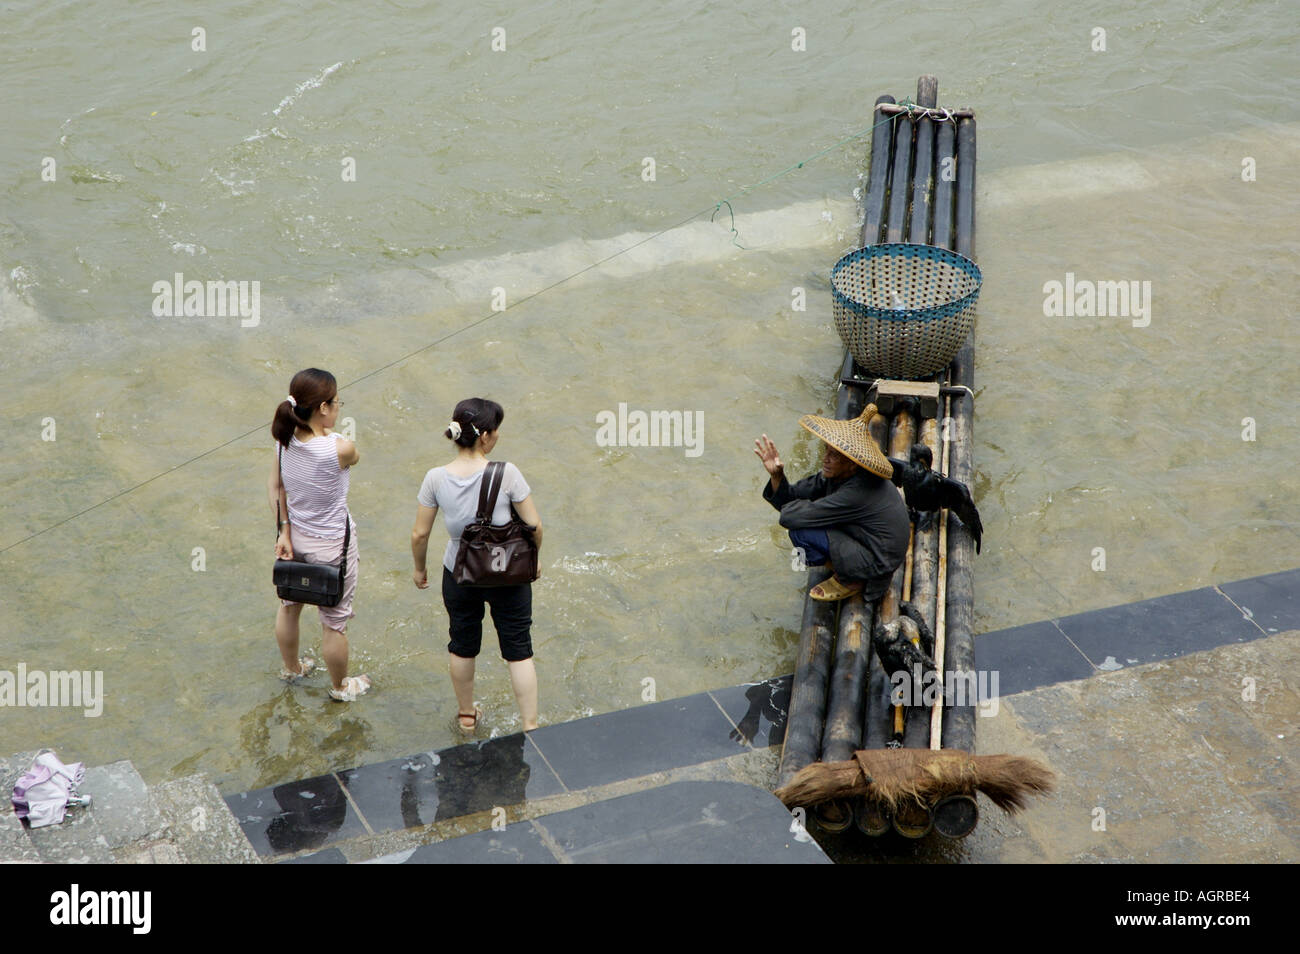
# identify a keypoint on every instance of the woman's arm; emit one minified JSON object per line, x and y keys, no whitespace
{"x":527,"y":511}
{"x":420,"y":542}
{"x":280,"y":506}
{"x":349,"y":456}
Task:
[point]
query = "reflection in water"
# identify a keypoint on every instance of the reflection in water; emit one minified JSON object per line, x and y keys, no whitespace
{"x":283,"y":738}
{"x":308,"y":815}
{"x":476,"y":777}
{"x":769,"y":699}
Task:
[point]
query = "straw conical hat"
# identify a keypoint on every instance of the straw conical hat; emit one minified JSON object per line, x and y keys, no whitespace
{"x":852,"y":439}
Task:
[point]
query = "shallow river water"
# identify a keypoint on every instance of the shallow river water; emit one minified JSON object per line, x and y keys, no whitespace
{"x":137,"y":541}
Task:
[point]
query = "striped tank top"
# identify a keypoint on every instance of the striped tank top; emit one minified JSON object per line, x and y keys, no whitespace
{"x":317,"y":490}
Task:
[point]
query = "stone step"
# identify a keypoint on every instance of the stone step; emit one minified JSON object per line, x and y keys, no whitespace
{"x":203,"y":829}
{"x":119,"y":819}
{"x":184,"y":820}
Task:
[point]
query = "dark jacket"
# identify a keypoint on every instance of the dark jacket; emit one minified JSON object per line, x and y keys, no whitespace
{"x":864,"y":518}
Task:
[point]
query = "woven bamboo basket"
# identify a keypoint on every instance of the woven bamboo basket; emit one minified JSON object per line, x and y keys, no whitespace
{"x":904,"y":311}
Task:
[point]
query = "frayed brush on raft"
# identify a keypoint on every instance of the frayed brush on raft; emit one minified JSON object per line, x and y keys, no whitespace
{"x":891,"y":776}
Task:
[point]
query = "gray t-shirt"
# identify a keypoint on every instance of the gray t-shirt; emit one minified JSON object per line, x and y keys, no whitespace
{"x":457,"y":498}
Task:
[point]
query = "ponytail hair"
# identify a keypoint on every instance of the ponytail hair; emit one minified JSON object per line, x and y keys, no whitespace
{"x":472,"y":418}
{"x":309,"y":389}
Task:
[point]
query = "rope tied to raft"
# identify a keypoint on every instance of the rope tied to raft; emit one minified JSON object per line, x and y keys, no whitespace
{"x":798,"y":165}
{"x":734,"y":234}
{"x":890,"y":111}
{"x":940,"y":114}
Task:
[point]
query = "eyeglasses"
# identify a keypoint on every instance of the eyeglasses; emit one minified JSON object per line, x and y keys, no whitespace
{"x":336,"y":402}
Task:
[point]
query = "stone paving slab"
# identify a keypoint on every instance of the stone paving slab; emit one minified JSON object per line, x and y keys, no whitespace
{"x":702,"y":822}
{"x":519,"y":844}
{"x":1272,"y":601}
{"x":296,"y":815}
{"x":1162,"y":628}
{"x":77,"y":840}
{"x":461,"y":780}
{"x":1183,"y":768}
{"x":121,"y":805}
{"x":759,"y":710}
{"x":633,"y":742}
{"x":682,"y":823}
{"x":203,"y":829}
{"x":1026,"y":657}
{"x":15,"y":842}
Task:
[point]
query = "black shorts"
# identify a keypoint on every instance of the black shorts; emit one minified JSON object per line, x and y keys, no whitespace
{"x":512,"y":615}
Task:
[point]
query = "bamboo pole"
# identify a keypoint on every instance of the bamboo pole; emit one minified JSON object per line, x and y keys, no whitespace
{"x":925,"y":561}
{"x":941,"y":609}
{"x":958,"y":730}
{"x":900,"y":440}
{"x":848,"y":683}
{"x":900,"y":178}
{"x":882,"y":143}
{"x":807,"y":713}
{"x":945,"y":168}
{"x":918,"y":226}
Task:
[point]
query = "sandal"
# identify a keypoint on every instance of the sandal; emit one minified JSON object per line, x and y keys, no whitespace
{"x":306,"y":666}
{"x":833,"y":590}
{"x":353,"y":686}
{"x":476,"y":715}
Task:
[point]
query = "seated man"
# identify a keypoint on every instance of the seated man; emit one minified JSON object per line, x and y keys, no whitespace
{"x":849,"y":513}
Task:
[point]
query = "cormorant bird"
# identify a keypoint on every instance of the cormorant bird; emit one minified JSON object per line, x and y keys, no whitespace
{"x":894,"y":646}
{"x":897,"y":652}
{"x":927,"y":491}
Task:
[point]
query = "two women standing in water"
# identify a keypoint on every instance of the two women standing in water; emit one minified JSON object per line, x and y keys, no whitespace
{"x":313,"y":493}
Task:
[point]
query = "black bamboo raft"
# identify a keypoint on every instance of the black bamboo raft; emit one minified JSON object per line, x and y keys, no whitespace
{"x":920,"y":190}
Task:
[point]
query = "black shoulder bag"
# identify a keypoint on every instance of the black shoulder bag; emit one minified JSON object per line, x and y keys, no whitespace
{"x":320,"y":584}
{"x":495,"y":556}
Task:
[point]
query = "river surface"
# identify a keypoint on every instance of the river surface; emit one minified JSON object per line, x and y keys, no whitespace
{"x":136,"y":539}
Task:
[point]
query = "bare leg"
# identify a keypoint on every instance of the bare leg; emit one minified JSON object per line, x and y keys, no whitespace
{"x":334,"y":647}
{"x":286,"y":634}
{"x":462,"y":680}
{"x":523,"y":678}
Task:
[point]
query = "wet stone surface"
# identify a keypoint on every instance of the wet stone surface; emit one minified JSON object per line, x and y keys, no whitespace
{"x":1162,"y":628}
{"x":635,"y":742}
{"x":295,"y":816}
{"x":679,"y":823}
{"x":1273,"y":601}
{"x":1026,"y":657}
{"x":121,"y":806}
{"x":433,"y":787}
{"x":759,"y":710}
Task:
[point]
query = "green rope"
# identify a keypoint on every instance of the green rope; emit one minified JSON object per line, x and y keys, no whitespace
{"x":906,"y":103}
{"x":734,"y":233}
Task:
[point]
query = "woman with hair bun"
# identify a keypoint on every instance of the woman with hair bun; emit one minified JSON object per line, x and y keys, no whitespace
{"x":308,"y":489}
{"x":454,"y":489}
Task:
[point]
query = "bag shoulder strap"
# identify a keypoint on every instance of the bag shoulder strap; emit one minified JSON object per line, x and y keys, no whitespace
{"x":488,"y":490}
{"x":279,"y":466}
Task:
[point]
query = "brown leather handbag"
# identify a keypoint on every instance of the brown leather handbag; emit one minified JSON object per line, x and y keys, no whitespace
{"x":495,"y":556}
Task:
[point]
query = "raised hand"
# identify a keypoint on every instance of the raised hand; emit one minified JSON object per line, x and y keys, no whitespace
{"x":766,"y":452}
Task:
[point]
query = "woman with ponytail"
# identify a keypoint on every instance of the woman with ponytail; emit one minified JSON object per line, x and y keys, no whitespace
{"x":308,"y":489}
{"x":454,"y":489}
